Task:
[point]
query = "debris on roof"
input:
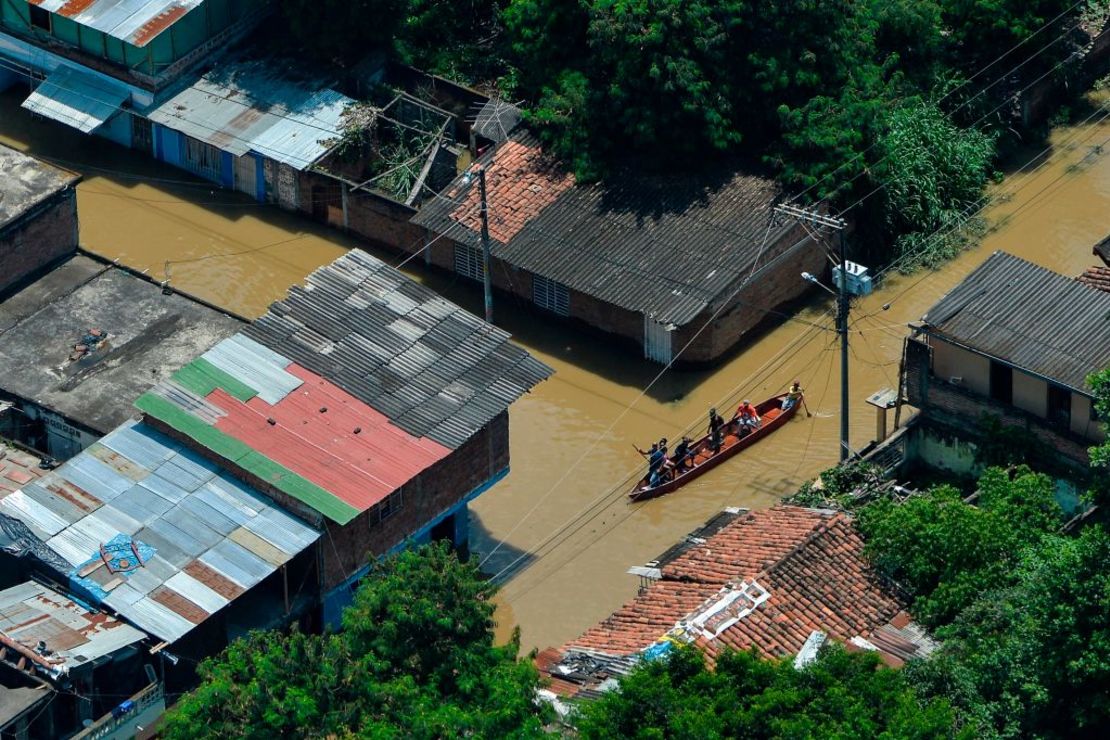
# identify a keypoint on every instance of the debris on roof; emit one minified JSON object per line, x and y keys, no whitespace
{"x":767,"y":580}
{"x":1026,"y":315}
{"x":26,"y":183}
{"x":153,"y":531}
{"x":54,"y":633}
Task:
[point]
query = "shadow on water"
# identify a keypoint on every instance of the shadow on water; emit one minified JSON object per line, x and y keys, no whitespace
{"x":508,"y":558}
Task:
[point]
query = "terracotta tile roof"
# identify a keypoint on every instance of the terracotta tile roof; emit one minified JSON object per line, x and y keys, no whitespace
{"x":1096,"y":277}
{"x":809,"y":564}
{"x":522,"y":181}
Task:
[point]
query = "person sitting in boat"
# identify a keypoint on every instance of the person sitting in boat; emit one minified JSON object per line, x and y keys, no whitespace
{"x":792,"y":396}
{"x":746,"y":418}
{"x":682,"y":455}
{"x":716,"y":427}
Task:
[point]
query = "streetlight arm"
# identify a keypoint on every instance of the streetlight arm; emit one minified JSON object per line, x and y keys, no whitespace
{"x":811,"y":279}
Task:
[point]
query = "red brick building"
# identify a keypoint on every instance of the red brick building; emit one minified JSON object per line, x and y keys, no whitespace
{"x":661,"y":261}
{"x":38,"y":216}
{"x":767,"y":580}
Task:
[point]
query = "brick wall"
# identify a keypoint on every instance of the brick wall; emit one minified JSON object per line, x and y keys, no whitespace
{"x":345,"y":549}
{"x":38,"y":238}
{"x":960,"y":410}
{"x":772,"y":286}
{"x":380,"y":221}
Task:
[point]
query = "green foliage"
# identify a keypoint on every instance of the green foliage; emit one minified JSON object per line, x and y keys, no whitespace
{"x":947,"y":552}
{"x":345,"y":30}
{"x":839,"y":486}
{"x":933,"y":175}
{"x":1033,"y":659}
{"x":840,"y":695}
{"x":416,"y":658}
{"x":1100,"y":454}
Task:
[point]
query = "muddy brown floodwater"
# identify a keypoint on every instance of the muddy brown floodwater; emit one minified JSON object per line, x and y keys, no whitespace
{"x":562,"y":512}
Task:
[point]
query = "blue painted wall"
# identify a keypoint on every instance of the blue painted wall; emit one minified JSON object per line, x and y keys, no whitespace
{"x":227,"y":169}
{"x":117,"y":129}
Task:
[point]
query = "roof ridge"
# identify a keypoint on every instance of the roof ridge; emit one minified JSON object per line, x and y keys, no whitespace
{"x":823,"y":526}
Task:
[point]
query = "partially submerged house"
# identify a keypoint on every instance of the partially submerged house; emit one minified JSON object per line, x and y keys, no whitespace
{"x":669,"y":263}
{"x":96,"y":65}
{"x":781,"y":581}
{"x":1014,"y":342}
{"x":38,"y":216}
{"x":364,"y":404}
{"x":83,"y":341}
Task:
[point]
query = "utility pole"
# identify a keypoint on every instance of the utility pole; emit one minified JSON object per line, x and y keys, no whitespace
{"x":815,"y":218}
{"x":487,"y":290}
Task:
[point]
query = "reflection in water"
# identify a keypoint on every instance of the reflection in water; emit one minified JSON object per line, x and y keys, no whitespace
{"x":564,"y":502}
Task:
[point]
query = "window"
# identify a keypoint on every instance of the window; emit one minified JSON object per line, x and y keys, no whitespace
{"x":1059,"y":405}
{"x":390,"y":506}
{"x":40,"y":18}
{"x":468,"y":261}
{"x":1002,"y":383}
{"x":550,"y":295}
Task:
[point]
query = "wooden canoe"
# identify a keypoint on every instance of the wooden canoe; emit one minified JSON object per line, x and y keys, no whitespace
{"x":704,"y":460}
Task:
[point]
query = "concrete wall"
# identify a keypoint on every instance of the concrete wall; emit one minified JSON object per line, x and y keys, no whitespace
{"x":379,"y":220}
{"x":1030,"y":394}
{"x":38,"y":238}
{"x":959,"y":410}
{"x":950,"y":361}
{"x":1081,"y":422}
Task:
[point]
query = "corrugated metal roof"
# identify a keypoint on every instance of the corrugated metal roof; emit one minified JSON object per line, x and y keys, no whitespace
{"x":665,"y":246}
{"x":496,"y":120}
{"x":138,"y":22}
{"x":172,"y":512}
{"x":30,"y":613}
{"x":1030,"y":317}
{"x":252,"y":106}
{"x":76,"y":99}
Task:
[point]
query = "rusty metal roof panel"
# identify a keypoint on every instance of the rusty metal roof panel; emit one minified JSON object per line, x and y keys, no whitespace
{"x":74,"y":635}
{"x":1035,"y":319}
{"x":251,"y":106}
{"x":138,"y":22}
{"x":155,"y":536}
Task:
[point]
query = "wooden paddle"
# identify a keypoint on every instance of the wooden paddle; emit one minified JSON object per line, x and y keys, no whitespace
{"x":808,"y":415}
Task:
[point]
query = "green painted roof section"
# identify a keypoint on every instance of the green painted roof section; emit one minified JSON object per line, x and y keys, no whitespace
{"x":226,"y":446}
{"x":202,"y":377}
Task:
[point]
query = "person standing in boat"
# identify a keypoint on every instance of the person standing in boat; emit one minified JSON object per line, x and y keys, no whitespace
{"x":747,"y":417}
{"x":655,"y":458}
{"x":716,"y":428}
{"x":792,"y":396}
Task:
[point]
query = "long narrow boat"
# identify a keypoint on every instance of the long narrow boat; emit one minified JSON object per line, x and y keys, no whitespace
{"x":703,"y":458}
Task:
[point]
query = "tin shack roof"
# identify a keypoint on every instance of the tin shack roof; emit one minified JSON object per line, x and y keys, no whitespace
{"x":74,"y":635}
{"x":147,"y":335}
{"x":348,"y":388}
{"x":25,"y":182}
{"x":1030,"y":317}
{"x":253,"y":106}
{"x":138,"y":22}
{"x":152,"y":531}
{"x":667,"y":246}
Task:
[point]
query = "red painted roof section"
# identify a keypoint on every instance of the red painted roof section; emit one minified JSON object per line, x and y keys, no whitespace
{"x":810,"y":561}
{"x":157,"y":24}
{"x":359,"y":468}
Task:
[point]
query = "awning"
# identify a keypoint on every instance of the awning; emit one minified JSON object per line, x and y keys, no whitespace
{"x":76,"y":99}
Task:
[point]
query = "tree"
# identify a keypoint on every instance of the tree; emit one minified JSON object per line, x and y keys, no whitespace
{"x":840,"y":695}
{"x":1033,"y":659}
{"x":415,"y":658}
{"x":946,"y":551}
{"x":1100,"y":454}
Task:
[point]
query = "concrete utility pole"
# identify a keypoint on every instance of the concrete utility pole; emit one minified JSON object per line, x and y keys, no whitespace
{"x":487,"y":290}
{"x":815,"y":218}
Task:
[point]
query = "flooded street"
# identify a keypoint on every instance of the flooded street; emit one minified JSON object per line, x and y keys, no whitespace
{"x":562,"y":511}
